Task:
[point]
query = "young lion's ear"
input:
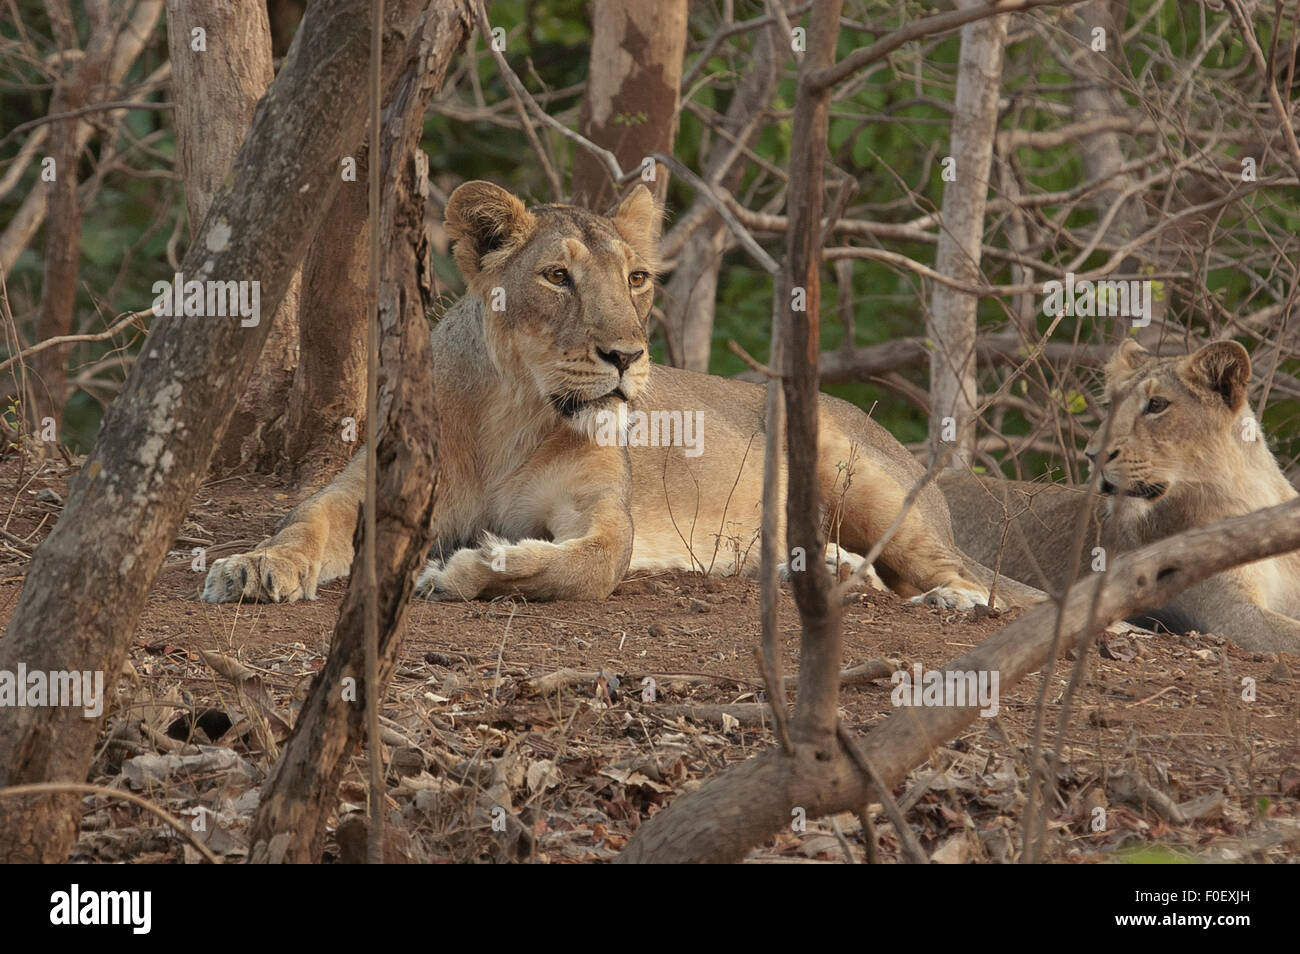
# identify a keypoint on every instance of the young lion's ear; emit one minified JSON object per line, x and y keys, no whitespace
{"x":637,"y":220}
{"x":1224,"y":368}
{"x":1128,"y":358}
{"x":484,"y":218}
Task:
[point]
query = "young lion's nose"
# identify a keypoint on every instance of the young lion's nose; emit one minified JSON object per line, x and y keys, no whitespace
{"x":1092,"y":455}
{"x":620,"y":359}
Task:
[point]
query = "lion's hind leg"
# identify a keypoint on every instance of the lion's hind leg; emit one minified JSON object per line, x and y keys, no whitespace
{"x":920,"y":556}
{"x":843,"y":564}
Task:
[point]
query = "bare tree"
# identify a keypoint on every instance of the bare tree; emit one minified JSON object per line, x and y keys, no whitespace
{"x":303,"y":786}
{"x":220,"y":53}
{"x":88,"y":580}
{"x":83,"y":79}
{"x":691,"y":291}
{"x":950,"y":323}
{"x":132,"y":27}
{"x":633,"y":84}
{"x":816,"y":749}
{"x":329,"y":380}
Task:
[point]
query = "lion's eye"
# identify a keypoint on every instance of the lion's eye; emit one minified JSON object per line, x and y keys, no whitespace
{"x":638,"y":279}
{"x":556,"y":275}
{"x":1155,"y":405}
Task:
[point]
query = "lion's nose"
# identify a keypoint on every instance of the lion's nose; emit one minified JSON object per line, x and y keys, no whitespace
{"x":1092,"y":455}
{"x":620,"y":359}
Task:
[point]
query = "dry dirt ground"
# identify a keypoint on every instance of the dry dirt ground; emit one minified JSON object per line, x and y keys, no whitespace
{"x":1164,"y":758}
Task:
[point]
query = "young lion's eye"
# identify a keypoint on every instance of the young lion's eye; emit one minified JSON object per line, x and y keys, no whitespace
{"x":1155,"y":405}
{"x":556,"y":275}
{"x":638,"y":279}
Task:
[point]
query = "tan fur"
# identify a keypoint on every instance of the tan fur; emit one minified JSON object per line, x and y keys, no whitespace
{"x":1186,"y":466}
{"x":530,"y":503}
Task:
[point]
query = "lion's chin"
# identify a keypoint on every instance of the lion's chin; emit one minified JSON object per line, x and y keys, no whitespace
{"x":1140,"y":490}
{"x":592,"y":417}
{"x":570,"y":405}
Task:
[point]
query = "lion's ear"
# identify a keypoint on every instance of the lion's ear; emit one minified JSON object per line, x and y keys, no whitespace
{"x":1224,"y":368}
{"x":637,"y":220}
{"x":1128,"y":358}
{"x":484,"y":218}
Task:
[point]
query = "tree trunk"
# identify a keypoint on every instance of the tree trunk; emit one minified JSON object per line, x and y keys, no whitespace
{"x":88,"y":581}
{"x":216,"y":92}
{"x":303,"y":786}
{"x":329,"y":383}
{"x":817,"y":758}
{"x":749,"y":803}
{"x":47,"y":385}
{"x":819,"y":614}
{"x":633,"y":86}
{"x":951,"y":324}
{"x":691,"y":292}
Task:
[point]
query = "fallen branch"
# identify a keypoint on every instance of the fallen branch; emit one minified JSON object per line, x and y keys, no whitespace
{"x":749,"y":714}
{"x":705,"y":825}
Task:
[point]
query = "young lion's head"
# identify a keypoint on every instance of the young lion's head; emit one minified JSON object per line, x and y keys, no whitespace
{"x":566,"y":294}
{"x":1177,"y":431}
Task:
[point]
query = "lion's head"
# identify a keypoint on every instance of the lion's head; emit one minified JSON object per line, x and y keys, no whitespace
{"x":1177,"y":428}
{"x":566,"y":294}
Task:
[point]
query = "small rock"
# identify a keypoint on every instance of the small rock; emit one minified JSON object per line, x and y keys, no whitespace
{"x":46,"y":495}
{"x":407,"y":760}
{"x":1279,"y":673}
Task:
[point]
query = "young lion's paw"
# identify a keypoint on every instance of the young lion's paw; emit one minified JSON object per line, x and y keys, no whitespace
{"x":431,"y":584}
{"x":439,"y":581}
{"x":462,"y":576}
{"x":953,"y":597}
{"x":274,"y":575}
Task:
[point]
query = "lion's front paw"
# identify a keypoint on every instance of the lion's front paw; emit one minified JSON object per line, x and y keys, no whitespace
{"x":953,"y":597}
{"x":274,"y":575}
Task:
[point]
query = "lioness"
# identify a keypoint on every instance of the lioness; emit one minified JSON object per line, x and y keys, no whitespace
{"x":1183,"y":451}
{"x":547,"y":488}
